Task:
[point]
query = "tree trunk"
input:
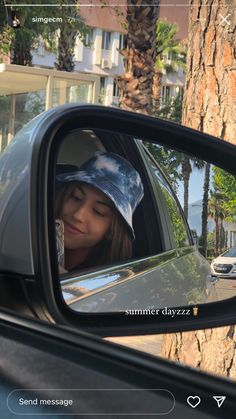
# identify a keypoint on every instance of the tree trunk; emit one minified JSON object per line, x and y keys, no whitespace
{"x":22,"y":47}
{"x":67,"y":39}
{"x":205,"y":208}
{"x":156,"y":91}
{"x":222,"y":235}
{"x":211,"y":350}
{"x":139,"y":57}
{"x":186,"y":171}
{"x":210,"y":106}
{"x":210,"y":89}
{"x":66,"y":46}
{"x":217,"y":235}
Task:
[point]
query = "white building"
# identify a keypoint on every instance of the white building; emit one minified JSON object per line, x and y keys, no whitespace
{"x":172,"y":85}
{"x":230,"y":231}
{"x":99,"y":55}
{"x":173,"y":82}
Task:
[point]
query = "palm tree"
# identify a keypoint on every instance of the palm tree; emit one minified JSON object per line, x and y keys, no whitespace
{"x":216,"y":211}
{"x":170,"y":160}
{"x":188,"y":164}
{"x":205,"y":209}
{"x":139,"y":57}
{"x":179,"y":167}
{"x":222,"y":231}
{"x":68,"y":34}
{"x":166,"y":44}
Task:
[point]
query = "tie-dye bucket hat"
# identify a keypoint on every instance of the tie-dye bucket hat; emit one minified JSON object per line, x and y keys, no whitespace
{"x":115,"y":177}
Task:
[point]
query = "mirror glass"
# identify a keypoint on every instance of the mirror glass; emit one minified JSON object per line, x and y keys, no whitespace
{"x":140,"y":226}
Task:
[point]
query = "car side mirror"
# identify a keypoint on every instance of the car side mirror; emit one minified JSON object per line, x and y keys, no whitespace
{"x":152,"y":280}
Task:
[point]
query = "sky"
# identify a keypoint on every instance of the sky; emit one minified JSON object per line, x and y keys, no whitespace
{"x":195,"y":187}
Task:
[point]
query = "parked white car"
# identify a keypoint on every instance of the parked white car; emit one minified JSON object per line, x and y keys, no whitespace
{"x":225,"y":264}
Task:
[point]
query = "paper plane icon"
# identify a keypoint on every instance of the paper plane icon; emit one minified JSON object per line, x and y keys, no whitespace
{"x":219,"y":400}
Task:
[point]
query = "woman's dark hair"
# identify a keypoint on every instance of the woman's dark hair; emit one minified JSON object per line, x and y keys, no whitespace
{"x":112,"y":249}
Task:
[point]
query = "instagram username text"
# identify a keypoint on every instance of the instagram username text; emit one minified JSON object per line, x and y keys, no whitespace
{"x":46,"y":19}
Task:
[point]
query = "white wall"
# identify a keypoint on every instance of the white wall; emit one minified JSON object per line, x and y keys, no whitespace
{"x":90,"y":60}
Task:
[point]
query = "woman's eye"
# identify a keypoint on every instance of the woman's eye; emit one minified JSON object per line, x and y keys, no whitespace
{"x":76,"y":198}
{"x":99,"y":213}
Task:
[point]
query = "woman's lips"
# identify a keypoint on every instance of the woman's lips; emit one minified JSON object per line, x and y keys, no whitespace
{"x":72,"y":229}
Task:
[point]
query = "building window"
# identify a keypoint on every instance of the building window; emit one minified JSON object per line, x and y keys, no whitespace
{"x":180,"y":93}
{"x":166,"y":57}
{"x":116,"y":89}
{"x":165,"y":94}
{"x":125,"y":41}
{"x":121,"y":42}
{"x":106,"y":40}
{"x":88,"y":41}
{"x":102,"y":93}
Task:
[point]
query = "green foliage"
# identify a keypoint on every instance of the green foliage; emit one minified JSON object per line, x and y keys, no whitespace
{"x":6,"y":32}
{"x":34,"y":24}
{"x":173,"y":162}
{"x":169,"y":160}
{"x":224,"y":185}
{"x":23,"y":39}
{"x":210,"y":239}
{"x":217,"y":211}
{"x":167,"y":43}
{"x":172,"y":109}
{"x":176,"y":220}
{"x":165,"y":35}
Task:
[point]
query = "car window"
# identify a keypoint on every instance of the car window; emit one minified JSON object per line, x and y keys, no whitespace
{"x":94,"y":279}
{"x":76,"y":149}
{"x":230,"y":253}
{"x":177,"y":222}
{"x":158,"y":220}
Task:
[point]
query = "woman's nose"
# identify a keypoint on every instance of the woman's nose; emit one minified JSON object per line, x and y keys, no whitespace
{"x":81,"y":214}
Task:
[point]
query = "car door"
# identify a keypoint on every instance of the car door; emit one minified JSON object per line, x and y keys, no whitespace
{"x":53,"y":371}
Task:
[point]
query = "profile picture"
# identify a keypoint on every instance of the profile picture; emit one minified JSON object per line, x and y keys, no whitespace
{"x":15,"y":20}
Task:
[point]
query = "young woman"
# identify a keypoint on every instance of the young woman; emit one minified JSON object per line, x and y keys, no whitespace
{"x":96,"y":205}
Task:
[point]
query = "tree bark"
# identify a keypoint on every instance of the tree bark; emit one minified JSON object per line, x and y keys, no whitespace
{"x":210,"y":89}
{"x":139,"y":57}
{"x":211,"y":350}
{"x":209,"y":105}
{"x":156,"y":91}
{"x":66,"y":41}
{"x":66,"y":46}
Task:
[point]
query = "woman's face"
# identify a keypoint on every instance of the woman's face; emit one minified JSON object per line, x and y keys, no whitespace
{"x":87,"y":215}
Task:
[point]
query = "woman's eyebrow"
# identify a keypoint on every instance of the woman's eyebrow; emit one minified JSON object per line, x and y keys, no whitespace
{"x":81,"y":189}
{"x":104,"y":203}
{"x":98,"y":202}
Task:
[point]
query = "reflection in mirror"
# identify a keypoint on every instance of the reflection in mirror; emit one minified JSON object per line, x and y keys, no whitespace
{"x":123,"y":242}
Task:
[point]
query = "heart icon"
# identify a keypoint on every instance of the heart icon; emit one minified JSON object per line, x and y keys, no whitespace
{"x":193,"y":401}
